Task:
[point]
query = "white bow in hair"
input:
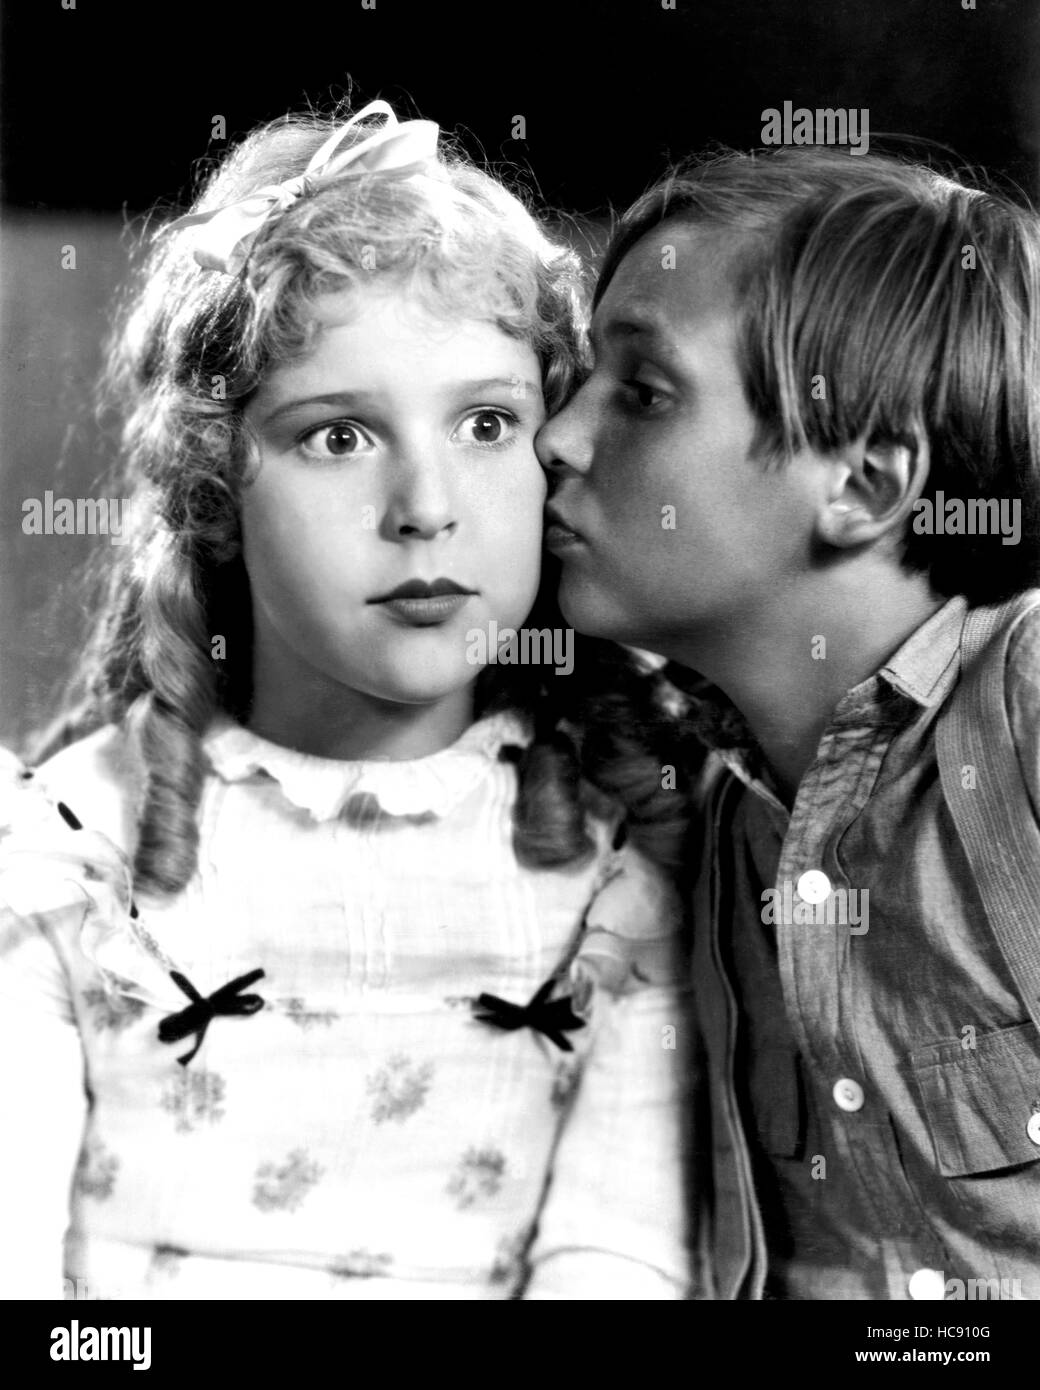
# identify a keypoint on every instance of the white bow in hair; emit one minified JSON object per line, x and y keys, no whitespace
{"x":229,"y":232}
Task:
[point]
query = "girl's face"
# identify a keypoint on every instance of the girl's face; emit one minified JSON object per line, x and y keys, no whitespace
{"x":397,"y":456}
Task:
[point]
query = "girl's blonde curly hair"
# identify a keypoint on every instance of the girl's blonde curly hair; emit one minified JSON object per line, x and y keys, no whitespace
{"x":187,"y":352}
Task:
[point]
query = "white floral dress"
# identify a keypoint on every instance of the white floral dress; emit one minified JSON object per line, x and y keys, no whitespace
{"x":349,"y":1124}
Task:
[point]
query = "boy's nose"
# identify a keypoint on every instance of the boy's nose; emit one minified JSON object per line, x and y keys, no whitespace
{"x":565,"y":440}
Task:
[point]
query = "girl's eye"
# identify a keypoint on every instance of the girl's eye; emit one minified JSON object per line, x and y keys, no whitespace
{"x":487,"y":427}
{"x":334,"y":441}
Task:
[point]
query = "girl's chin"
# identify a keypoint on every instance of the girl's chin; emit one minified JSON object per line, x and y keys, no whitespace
{"x":417,"y":686}
{"x":415,"y":692}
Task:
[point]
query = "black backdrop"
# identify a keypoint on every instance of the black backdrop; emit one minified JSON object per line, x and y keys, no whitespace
{"x":105,"y":105}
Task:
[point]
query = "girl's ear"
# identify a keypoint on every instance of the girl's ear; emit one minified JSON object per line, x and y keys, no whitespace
{"x":870,"y":490}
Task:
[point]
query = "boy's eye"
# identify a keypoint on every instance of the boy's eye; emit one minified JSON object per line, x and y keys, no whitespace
{"x":334,"y":441}
{"x":486,"y":427}
{"x":642,"y":395}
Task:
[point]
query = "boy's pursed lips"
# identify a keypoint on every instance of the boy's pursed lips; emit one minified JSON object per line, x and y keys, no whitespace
{"x":559,"y":533}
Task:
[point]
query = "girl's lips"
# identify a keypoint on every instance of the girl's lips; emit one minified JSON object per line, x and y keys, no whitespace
{"x":426,"y":612}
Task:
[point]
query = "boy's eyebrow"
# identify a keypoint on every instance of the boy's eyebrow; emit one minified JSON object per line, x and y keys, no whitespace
{"x":517,"y":386}
{"x":635,"y":325}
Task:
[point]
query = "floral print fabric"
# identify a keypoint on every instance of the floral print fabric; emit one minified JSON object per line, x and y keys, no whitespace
{"x":362,"y":1135}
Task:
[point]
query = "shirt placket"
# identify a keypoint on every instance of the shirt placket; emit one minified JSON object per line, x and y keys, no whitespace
{"x":815,"y":960}
{"x":738,"y":1221}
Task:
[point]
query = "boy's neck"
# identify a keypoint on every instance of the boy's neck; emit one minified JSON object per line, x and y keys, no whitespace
{"x":787,"y":694}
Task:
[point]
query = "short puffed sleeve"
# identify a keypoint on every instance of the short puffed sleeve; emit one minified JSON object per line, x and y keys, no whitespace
{"x":42,"y":1096}
{"x":617,"y":1222}
{"x":66,"y":897}
{"x":633,"y":930}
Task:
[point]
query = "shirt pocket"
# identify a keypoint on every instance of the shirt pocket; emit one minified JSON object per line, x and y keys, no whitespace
{"x":980,"y":1102}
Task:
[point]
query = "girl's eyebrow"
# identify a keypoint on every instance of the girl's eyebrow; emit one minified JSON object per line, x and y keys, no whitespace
{"x":354,"y":399}
{"x":515,"y":384}
{"x":518,"y":387}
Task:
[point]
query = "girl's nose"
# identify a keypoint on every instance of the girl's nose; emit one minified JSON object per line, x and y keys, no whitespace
{"x":565,"y":440}
{"x":421,"y":503}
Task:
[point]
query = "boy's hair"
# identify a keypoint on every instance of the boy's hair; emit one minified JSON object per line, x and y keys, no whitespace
{"x":913,"y":299}
{"x":187,"y":353}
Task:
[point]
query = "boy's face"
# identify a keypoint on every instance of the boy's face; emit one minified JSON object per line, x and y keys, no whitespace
{"x":670,"y":529}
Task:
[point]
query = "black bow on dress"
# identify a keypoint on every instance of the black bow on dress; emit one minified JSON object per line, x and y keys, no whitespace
{"x":553,"y":1017}
{"x":201,"y":1012}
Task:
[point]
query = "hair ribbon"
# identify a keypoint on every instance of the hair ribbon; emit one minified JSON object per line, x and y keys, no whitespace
{"x":227,"y":233}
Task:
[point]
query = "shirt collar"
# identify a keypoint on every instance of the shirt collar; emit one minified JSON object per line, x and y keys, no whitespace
{"x":433,"y":785}
{"x":926,"y":666}
{"x":924,"y":670}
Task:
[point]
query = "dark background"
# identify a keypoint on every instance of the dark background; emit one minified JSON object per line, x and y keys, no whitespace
{"x":107,"y":107}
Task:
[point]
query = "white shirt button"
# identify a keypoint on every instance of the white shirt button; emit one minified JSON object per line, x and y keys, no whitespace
{"x":848,"y":1094}
{"x":1033,"y":1129}
{"x":927,"y":1283}
{"x":814,"y":886}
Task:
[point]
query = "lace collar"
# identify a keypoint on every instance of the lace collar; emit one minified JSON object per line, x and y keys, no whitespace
{"x":433,"y":785}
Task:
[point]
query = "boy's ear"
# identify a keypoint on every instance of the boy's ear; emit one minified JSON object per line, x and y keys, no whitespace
{"x":870,"y":490}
